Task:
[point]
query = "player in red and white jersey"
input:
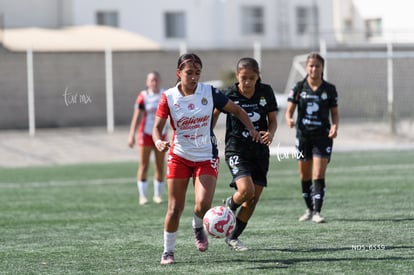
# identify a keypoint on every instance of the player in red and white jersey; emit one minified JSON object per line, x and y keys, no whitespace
{"x":193,"y":150}
{"x":147,"y":100}
{"x":191,"y":121}
{"x":143,"y":119}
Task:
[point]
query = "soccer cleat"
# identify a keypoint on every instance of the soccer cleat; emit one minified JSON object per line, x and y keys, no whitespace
{"x":201,"y":240}
{"x":318,"y":218}
{"x":143,"y":200}
{"x":167,"y":258}
{"x":157,"y":199}
{"x":306,"y":217}
{"x":236,"y":244}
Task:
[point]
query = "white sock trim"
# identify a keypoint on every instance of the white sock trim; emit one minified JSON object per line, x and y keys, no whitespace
{"x":142,"y":188}
{"x":197,"y":222}
{"x":158,"y":186}
{"x":169,"y":241}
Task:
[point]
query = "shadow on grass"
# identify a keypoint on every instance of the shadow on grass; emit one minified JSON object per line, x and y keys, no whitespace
{"x":273,"y":259}
{"x":375,"y":220}
{"x":332,"y":249}
{"x":285,"y":263}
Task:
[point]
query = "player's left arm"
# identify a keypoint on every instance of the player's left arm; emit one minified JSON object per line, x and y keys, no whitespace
{"x":267,"y":136}
{"x":272,"y":109}
{"x":220,"y":100}
{"x":216,"y":115}
{"x":333,"y":132}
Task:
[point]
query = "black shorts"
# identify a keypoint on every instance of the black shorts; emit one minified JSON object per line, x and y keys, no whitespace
{"x":309,"y":146}
{"x":242,"y":165}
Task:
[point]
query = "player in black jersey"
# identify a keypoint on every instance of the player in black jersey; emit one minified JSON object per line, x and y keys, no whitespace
{"x":248,"y":160}
{"x":316,"y":100}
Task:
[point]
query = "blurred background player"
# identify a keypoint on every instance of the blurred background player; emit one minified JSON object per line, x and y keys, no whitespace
{"x":193,"y":149}
{"x":247,"y":159}
{"x":143,"y":117}
{"x":315,"y":99}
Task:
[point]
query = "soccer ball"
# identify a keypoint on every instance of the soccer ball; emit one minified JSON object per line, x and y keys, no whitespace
{"x":219,"y":222}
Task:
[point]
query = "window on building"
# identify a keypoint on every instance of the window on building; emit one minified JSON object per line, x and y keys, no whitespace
{"x":307,"y":20}
{"x":107,"y":18}
{"x":348,"y":26}
{"x":302,"y":20}
{"x":373,"y":27}
{"x":175,"y":25}
{"x":253,"y":20}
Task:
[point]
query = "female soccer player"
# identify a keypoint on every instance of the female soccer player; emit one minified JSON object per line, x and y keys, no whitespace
{"x":144,"y":116}
{"x":247,"y":159}
{"x":315,"y":99}
{"x":192,"y":150}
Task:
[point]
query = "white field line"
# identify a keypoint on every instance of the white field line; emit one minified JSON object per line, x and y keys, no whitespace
{"x":272,"y":171}
{"x":68,"y":183}
{"x":368,"y":168}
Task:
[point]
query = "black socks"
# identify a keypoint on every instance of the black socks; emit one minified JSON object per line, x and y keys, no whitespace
{"x":240,"y":226}
{"x":232,"y":205}
{"x":307,"y":194}
{"x":319,"y":194}
{"x":314,"y":198}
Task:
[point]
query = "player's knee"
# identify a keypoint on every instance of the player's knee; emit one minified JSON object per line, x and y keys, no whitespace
{"x":202,"y":207}
{"x":175,"y":212}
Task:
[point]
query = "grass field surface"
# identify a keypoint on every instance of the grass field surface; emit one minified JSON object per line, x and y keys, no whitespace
{"x":85,"y":219}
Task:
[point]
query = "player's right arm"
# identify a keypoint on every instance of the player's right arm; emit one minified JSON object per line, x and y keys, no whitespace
{"x":290,"y":110}
{"x":157,"y":134}
{"x":159,"y":123}
{"x":139,"y":111}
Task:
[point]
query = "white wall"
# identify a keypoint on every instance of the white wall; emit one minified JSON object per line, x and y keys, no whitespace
{"x":210,"y":23}
{"x":397,"y":18}
{"x":34,"y":13}
{"x":217,"y":23}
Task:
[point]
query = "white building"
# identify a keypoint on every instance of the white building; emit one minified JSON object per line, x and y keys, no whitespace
{"x":207,"y":24}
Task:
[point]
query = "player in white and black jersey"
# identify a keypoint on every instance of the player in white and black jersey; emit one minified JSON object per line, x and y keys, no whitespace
{"x":193,"y":149}
{"x":316,"y":127}
{"x":247,"y":159}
